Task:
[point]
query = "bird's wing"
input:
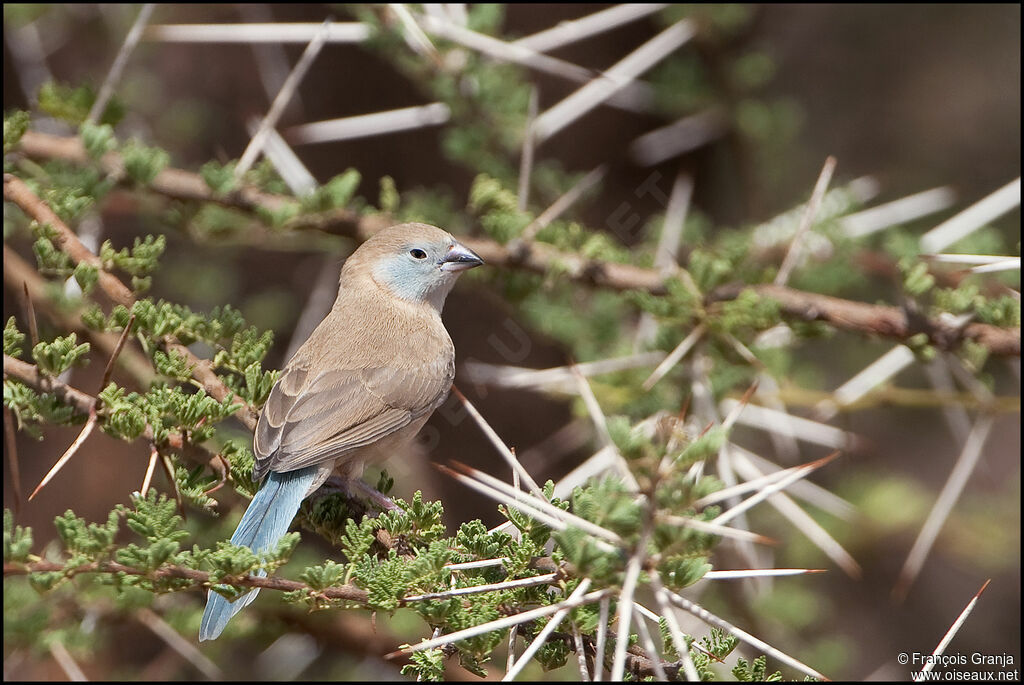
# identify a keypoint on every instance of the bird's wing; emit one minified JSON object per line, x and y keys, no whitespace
{"x":309,"y":419}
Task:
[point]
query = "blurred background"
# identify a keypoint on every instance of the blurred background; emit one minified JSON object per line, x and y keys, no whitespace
{"x":914,"y":96}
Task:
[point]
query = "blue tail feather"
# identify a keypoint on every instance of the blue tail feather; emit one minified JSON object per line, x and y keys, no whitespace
{"x":262,"y":526}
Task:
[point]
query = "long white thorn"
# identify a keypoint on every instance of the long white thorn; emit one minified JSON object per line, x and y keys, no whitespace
{"x":502,"y":623}
{"x":971,"y":219}
{"x":289,"y":32}
{"x":567,"y":32}
{"x":114,"y":75}
{"x":289,"y":87}
{"x":769,"y":490}
{"x":636,"y":96}
{"x":678,"y":640}
{"x":804,"y":489}
{"x":873,"y":375}
{"x":955,"y":484}
{"x":806,"y":221}
{"x":804,"y":429}
{"x":545,"y":579}
{"x":758,"y":644}
{"x":897,"y":212}
{"x":504,"y":450}
{"x":800,"y":519}
{"x":602,"y":639}
{"x":614,"y":79}
{"x":367,"y":125}
{"x":951,"y":633}
{"x":625,"y":613}
{"x":293,"y":172}
{"x":541,"y":503}
{"x":675,"y":356}
{"x":546,"y":631}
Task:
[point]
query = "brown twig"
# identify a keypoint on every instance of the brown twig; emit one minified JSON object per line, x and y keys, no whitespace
{"x":83,"y":403}
{"x":200,"y":578}
{"x":17,"y":270}
{"x":16,"y":191}
{"x":880,"y":320}
{"x":887,"y":322}
{"x":93,"y":412}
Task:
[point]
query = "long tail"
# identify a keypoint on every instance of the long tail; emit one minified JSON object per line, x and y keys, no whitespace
{"x":262,"y":526}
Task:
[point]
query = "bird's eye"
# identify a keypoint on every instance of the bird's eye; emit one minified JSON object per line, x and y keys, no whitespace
{"x":418,"y":253}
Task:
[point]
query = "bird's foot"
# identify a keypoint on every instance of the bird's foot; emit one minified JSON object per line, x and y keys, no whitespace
{"x":355,"y":490}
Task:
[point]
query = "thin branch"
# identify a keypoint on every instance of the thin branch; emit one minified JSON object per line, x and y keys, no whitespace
{"x":348,"y":593}
{"x":18,"y":271}
{"x":848,"y":315}
{"x":30,"y":310}
{"x":83,"y":403}
{"x":18,"y":192}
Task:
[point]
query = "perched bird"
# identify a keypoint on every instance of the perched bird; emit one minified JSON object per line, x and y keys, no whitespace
{"x":361,"y":386}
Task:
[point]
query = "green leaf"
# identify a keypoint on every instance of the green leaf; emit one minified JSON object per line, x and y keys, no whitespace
{"x":54,"y":358}
{"x":143,"y":163}
{"x":17,"y":540}
{"x":13,"y":338}
{"x":15,"y":125}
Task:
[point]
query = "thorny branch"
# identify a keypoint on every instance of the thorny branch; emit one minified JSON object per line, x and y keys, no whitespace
{"x":83,"y":403}
{"x":16,"y":191}
{"x":888,"y":322}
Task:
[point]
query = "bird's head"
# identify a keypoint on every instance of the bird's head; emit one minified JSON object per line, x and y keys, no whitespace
{"x":414,"y":262}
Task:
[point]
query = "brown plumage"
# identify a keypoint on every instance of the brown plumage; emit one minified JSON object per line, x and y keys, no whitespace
{"x":376,"y":367}
{"x":362,"y":385}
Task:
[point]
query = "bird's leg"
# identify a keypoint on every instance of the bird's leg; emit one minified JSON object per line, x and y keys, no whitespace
{"x":374,"y":495}
{"x":357,"y":488}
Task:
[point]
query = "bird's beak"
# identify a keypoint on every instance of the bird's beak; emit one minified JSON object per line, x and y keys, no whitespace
{"x":460,"y":258}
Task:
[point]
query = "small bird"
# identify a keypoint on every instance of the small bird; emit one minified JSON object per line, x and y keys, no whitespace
{"x":361,"y":386}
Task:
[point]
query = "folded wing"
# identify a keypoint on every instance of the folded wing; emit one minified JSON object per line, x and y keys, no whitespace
{"x":310,"y":418}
